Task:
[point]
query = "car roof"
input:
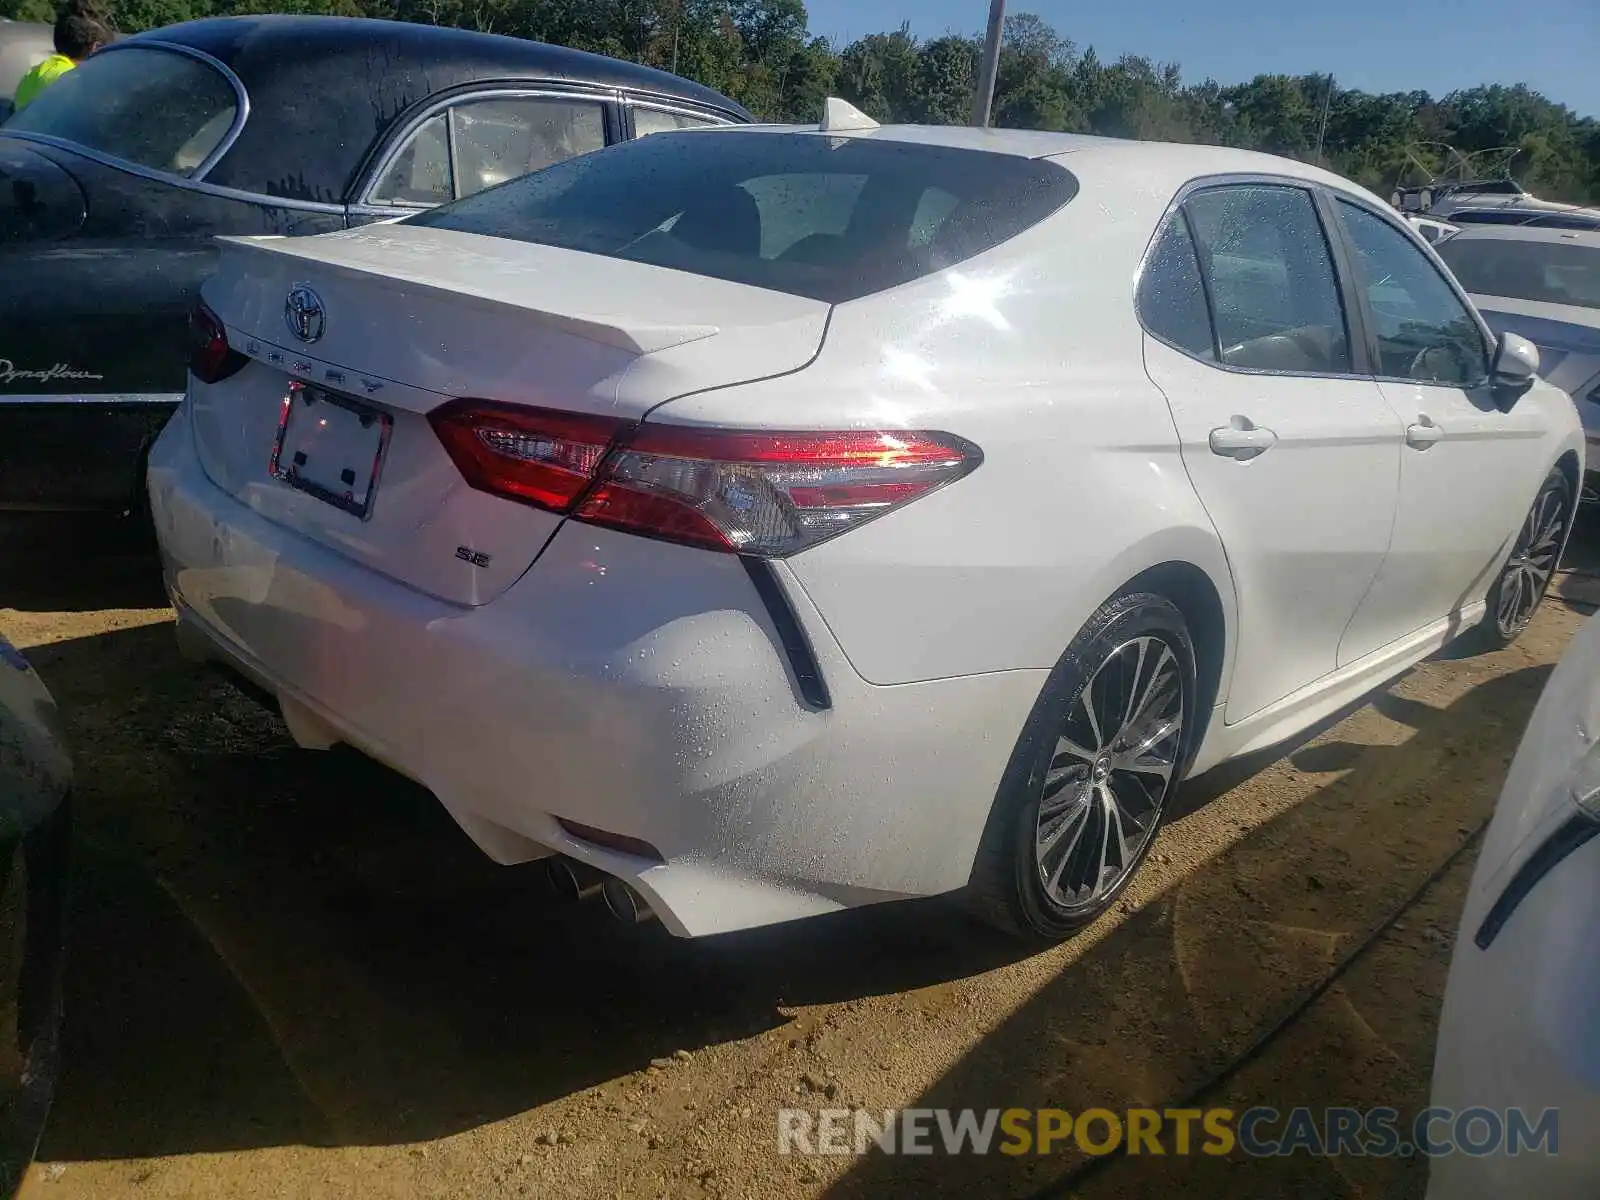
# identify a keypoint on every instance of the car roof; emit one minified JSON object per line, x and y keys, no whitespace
{"x":1527,"y":233}
{"x":296,"y":68}
{"x":1143,"y":163}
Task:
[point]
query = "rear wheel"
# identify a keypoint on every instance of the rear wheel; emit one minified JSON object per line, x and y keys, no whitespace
{"x":1516,"y":594}
{"x":1090,"y":778}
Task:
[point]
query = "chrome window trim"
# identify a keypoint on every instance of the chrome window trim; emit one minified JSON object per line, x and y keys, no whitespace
{"x":1490,"y":342}
{"x":109,"y":399}
{"x":177,"y":181}
{"x":390,"y":211}
{"x":241,"y":113}
{"x":680,"y":108}
{"x":1202,"y":183}
{"x":398,"y":142}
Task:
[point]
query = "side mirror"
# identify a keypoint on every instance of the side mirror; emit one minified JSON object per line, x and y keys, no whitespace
{"x":1511,"y":374}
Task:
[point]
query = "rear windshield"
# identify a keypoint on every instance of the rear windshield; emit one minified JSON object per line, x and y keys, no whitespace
{"x":828,"y":218}
{"x":1550,"y":272}
{"x":157,"y":108}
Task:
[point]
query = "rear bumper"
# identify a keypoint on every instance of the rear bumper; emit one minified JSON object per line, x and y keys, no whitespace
{"x":76,"y":452}
{"x":623,"y":684}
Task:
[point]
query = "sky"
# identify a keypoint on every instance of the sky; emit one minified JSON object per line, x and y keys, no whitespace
{"x":1375,"y":45}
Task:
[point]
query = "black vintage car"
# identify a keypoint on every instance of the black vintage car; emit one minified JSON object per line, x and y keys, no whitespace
{"x":35,"y":779}
{"x":114,"y":182}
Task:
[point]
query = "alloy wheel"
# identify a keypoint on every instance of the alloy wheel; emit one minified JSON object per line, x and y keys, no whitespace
{"x":1110,"y":774}
{"x":1532,"y":561}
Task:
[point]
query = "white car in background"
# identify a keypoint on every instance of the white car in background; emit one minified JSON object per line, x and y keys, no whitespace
{"x":1432,"y":231}
{"x":1521,"y":1026}
{"x":787,"y":519}
{"x":1545,"y":285}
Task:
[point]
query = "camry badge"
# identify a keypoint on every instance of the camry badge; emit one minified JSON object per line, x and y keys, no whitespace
{"x":303,"y":313}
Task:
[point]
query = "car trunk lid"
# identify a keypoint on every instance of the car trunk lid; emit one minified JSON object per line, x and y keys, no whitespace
{"x":353,"y":338}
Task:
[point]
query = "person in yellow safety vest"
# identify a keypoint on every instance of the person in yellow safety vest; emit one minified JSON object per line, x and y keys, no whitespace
{"x":79,"y":33}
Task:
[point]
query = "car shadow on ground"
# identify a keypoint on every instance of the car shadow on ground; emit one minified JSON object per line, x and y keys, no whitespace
{"x":275,"y":946}
{"x":1183,"y":988}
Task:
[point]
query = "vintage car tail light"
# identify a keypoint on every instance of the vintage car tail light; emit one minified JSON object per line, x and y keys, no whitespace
{"x":211,"y":359}
{"x":753,"y":492}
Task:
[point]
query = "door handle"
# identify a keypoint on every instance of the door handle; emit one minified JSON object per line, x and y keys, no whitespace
{"x":1241,"y":438}
{"x":1423,"y":433}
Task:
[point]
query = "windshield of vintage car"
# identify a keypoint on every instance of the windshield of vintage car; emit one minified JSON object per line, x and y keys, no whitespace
{"x":158,"y":108}
{"x":832,"y":218}
{"x":1548,"y":272}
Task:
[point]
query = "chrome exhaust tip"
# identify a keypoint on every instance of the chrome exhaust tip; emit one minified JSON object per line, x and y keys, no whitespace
{"x":573,"y":880}
{"x":625,"y":903}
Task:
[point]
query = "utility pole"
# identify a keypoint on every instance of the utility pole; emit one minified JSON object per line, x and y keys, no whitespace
{"x":989,"y":64}
{"x":1322,"y":129}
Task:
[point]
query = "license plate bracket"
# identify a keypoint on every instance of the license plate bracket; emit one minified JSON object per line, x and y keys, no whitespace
{"x":331,"y":447}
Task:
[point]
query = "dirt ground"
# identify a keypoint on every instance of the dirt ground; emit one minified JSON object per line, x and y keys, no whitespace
{"x":292,"y":976}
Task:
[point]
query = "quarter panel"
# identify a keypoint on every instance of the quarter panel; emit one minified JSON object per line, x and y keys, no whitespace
{"x":108,"y":305}
{"x":93,"y":331}
{"x":1031,"y":352}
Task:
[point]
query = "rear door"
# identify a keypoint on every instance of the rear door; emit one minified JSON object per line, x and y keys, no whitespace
{"x":1468,"y":471}
{"x":1291,"y":447}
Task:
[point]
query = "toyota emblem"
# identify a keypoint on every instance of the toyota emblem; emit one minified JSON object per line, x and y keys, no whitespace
{"x":303,"y":313}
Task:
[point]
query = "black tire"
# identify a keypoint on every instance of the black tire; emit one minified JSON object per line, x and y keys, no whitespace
{"x":136,"y":523}
{"x":1009,"y":888}
{"x":1524,"y":580}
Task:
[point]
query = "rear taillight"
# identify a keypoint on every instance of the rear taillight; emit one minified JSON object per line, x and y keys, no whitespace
{"x":739,"y":491}
{"x":768,"y":494}
{"x":211,"y":359}
{"x":537,"y":455}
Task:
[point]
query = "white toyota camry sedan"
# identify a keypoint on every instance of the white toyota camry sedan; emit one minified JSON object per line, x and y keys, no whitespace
{"x":776,"y":520}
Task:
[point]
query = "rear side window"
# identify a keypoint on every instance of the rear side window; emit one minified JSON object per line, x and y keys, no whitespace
{"x":479,"y":143}
{"x":658,"y":120}
{"x":497,"y":140}
{"x":154,"y":107}
{"x":1270,"y":271}
{"x":420,"y":173}
{"x":831,"y":218}
{"x":1172,"y":300}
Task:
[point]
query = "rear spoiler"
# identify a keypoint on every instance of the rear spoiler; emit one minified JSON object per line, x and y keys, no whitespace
{"x":477,"y":277}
